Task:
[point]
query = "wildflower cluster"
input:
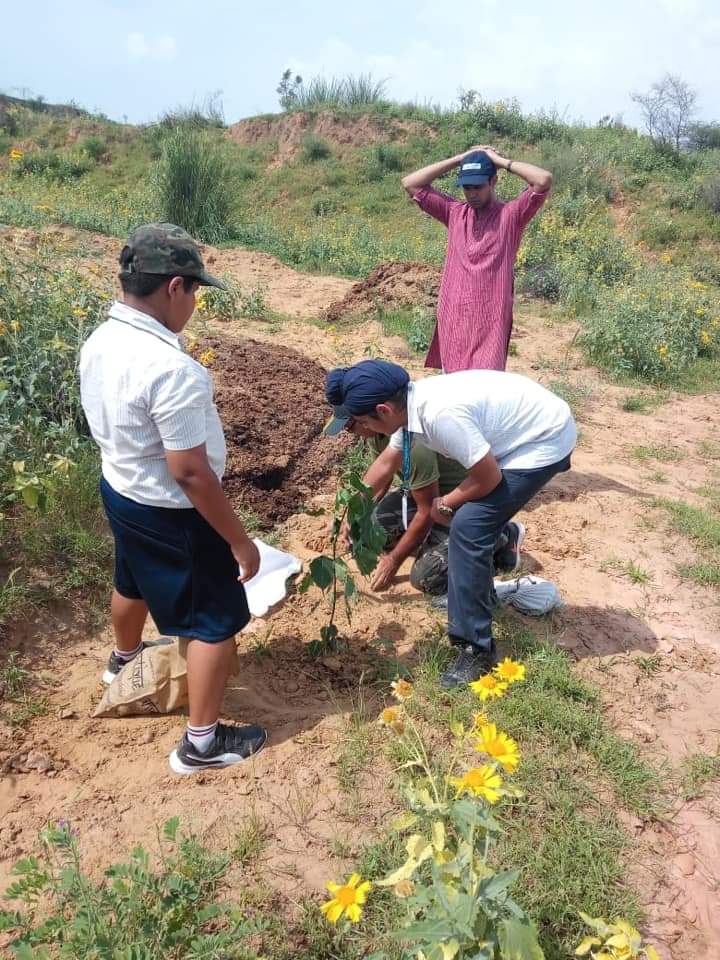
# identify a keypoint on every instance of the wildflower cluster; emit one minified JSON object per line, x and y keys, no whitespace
{"x":454,"y":899}
{"x":614,"y":941}
{"x":656,"y":326}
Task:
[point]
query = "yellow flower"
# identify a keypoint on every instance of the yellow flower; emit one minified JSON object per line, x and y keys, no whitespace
{"x":16,"y":154}
{"x":510,"y":671}
{"x":480,"y":720}
{"x":402,"y":690}
{"x":15,"y":326}
{"x":79,"y":312}
{"x":392,"y":717}
{"x":488,"y":687}
{"x":207,"y":357}
{"x":347,"y":899}
{"x":662,"y":349}
{"x":499,"y":746}
{"x":481,"y":781}
{"x":705,"y":337}
{"x":700,"y":312}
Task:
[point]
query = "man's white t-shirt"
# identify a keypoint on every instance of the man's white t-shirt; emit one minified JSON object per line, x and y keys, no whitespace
{"x":143,"y":395}
{"x":468,"y":414}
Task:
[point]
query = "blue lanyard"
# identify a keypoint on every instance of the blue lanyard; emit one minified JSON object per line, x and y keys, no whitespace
{"x":405,"y":482}
{"x":405,"y":458}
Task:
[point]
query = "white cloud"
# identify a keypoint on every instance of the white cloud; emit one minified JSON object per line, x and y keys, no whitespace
{"x":141,"y":48}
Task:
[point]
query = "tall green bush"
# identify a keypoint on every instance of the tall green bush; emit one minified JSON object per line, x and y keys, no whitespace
{"x":195,"y":184}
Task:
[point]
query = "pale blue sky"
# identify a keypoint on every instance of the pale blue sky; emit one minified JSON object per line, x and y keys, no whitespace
{"x":136,"y":58}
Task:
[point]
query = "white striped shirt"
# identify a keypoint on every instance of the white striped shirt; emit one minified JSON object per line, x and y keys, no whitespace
{"x":143,"y":395}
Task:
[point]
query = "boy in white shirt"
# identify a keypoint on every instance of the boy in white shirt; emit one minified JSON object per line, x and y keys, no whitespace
{"x":511,"y":435}
{"x":179,"y":545}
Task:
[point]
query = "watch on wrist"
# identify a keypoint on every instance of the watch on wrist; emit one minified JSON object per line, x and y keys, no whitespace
{"x":444,"y":509}
{"x":509,"y":166}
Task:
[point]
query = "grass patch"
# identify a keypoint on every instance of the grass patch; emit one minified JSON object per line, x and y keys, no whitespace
{"x":663,"y":452}
{"x":709,"y":450}
{"x":642,"y":402}
{"x":706,"y":574}
{"x":250,"y":840}
{"x":565,"y":834}
{"x":414,"y":324}
{"x":576,"y":395}
{"x":697,"y":524}
{"x":697,"y":770}
{"x":19,"y":701}
{"x":702,"y":527}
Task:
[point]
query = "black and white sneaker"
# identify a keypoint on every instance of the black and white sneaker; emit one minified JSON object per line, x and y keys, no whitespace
{"x":507,"y":559}
{"x":470,"y":664}
{"x":229,"y":745}
{"x":115,"y":664}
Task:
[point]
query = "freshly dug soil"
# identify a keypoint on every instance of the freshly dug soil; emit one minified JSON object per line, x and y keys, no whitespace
{"x":272,"y":405}
{"x":389,"y":286}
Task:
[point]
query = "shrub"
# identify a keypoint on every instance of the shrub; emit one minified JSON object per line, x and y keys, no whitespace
{"x":505,"y":117}
{"x":658,"y":230}
{"x":53,"y":165}
{"x":94,"y":147}
{"x":195,"y":185}
{"x":655,"y":326}
{"x":314,"y":148}
{"x":383,"y":158}
{"x":710,"y":192}
{"x":136,"y":911}
{"x":575,"y":172}
{"x":337,"y":93}
{"x":704,"y":136}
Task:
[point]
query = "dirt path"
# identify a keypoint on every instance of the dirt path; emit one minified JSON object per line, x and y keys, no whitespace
{"x":112,"y":777}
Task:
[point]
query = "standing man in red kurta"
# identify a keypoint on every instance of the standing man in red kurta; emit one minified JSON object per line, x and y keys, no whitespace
{"x":474,"y":314}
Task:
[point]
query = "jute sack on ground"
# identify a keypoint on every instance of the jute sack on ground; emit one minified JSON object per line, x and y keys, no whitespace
{"x":154,"y":682}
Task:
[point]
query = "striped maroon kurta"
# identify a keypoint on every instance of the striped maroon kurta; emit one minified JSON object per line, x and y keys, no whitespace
{"x":475,"y":304}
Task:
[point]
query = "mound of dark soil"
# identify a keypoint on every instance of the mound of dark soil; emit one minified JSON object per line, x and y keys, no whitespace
{"x":272,"y":405}
{"x":390,"y":285}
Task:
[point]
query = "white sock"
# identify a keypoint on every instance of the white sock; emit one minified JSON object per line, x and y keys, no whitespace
{"x":201,"y":737}
{"x":127,"y":655}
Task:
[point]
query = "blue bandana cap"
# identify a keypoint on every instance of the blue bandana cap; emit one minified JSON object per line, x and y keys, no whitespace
{"x":354,"y":391}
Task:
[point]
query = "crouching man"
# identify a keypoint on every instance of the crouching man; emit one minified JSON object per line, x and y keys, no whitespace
{"x":509,"y":433}
{"x":405,"y":511}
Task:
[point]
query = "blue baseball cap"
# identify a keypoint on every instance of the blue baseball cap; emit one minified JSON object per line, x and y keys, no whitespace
{"x":476,"y":169}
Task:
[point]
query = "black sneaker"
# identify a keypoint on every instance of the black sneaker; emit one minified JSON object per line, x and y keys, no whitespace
{"x":115,"y":664}
{"x":507,"y":559}
{"x":229,"y":745}
{"x":470,"y":664}
{"x":440,"y":602}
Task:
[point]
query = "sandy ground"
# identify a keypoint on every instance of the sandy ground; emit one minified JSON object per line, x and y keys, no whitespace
{"x":111,"y":777}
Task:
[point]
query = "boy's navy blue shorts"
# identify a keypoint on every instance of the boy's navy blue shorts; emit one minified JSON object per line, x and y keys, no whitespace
{"x":179,"y":565}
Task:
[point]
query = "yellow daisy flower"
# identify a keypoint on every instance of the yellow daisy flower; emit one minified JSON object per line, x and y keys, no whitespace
{"x":392,"y":717}
{"x":347,"y":899}
{"x":488,"y":687}
{"x":510,"y":671}
{"x":402,"y":690}
{"x":499,"y":746}
{"x":480,"y":781}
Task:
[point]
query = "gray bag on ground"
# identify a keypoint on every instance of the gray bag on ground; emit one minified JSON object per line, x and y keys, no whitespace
{"x":529,"y":595}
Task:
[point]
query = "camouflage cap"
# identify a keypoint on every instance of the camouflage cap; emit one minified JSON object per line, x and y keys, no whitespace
{"x":167,"y":250}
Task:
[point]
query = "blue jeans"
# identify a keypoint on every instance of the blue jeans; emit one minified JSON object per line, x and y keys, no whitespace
{"x":473,"y":534}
